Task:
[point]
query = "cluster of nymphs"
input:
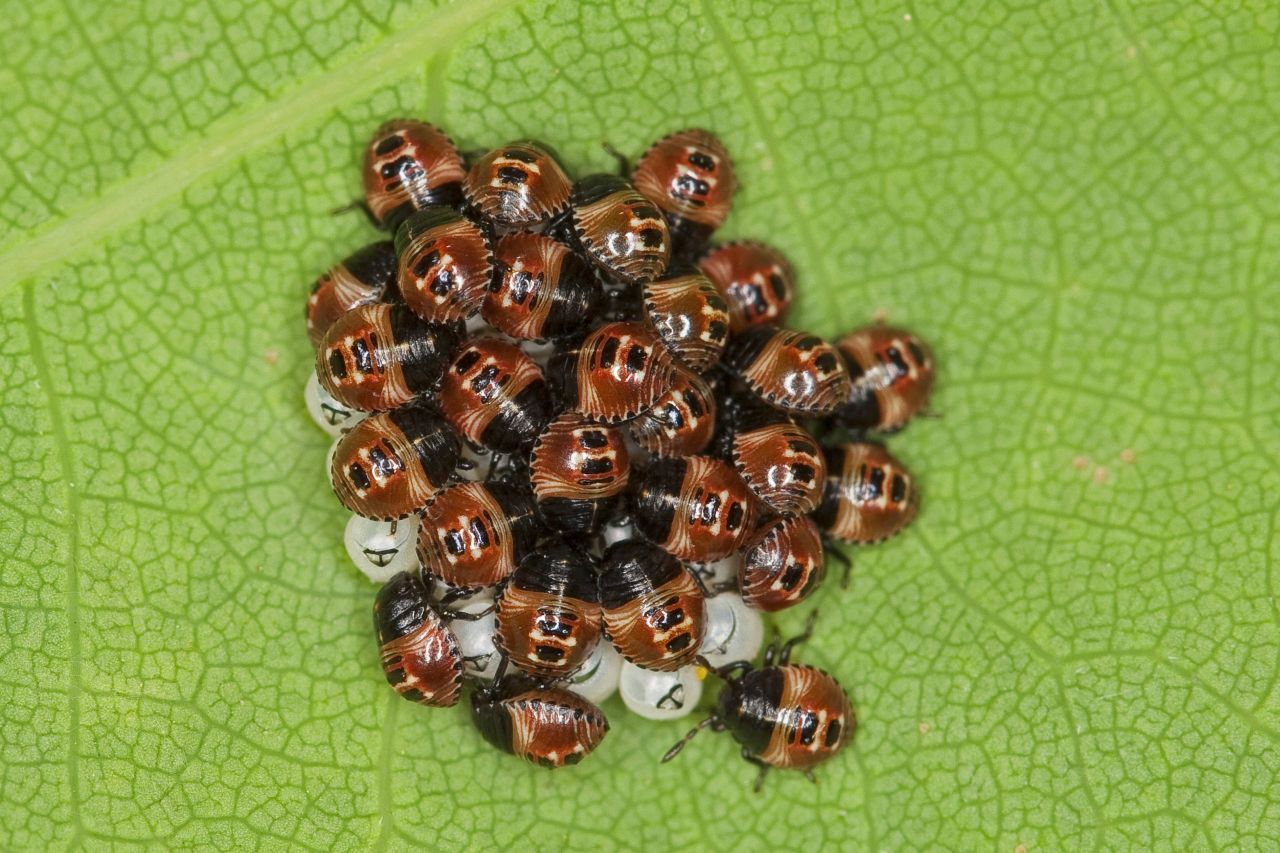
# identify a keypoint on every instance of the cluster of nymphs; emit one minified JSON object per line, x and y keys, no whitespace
{"x":580,"y":450}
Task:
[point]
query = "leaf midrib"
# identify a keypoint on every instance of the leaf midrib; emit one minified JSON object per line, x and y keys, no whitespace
{"x":229,"y":139}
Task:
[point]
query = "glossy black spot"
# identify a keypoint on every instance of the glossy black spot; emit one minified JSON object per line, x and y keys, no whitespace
{"x":703,"y":161}
{"x":573,"y":758}
{"x":663,"y":620}
{"x":522,"y":285}
{"x":680,"y":643}
{"x":404,"y":167}
{"x":710,"y":509}
{"x":384,"y":464}
{"x":597,"y":466}
{"x":413,"y":694}
{"x":802,"y":473}
{"x":519,"y":155}
{"x":636,"y":357}
{"x":833,"y":733}
{"x":425,"y":263}
{"x":593,"y":438}
{"x":695,"y":405}
{"x":454,"y":543}
{"x":809,"y":728}
{"x":466,"y":362}
{"x":736,"y":512}
{"x":388,"y":144}
{"x":826,"y":362}
{"x":358,"y":476}
{"x":806,"y":343}
{"x":442,"y":283}
{"x":550,"y":654}
{"x":550,"y":624}
{"x":645,"y":211}
{"x":873,"y":485}
{"x":916,"y":352}
{"x":779,"y":286}
{"x":479,"y":532}
{"x":898,"y":488}
{"x":484,"y":385}
{"x":791,"y":576}
{"x":337,"y":364}
{"x":512,"y":175}
{"x":691,"y":186}
{"x":364,"y":358}
{"x":609,"y":352}
{"x":652,"y":238}
{"x":899,"y":363}
{"x":717,"y":331}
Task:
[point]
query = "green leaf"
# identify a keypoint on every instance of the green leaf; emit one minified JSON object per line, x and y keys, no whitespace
{"x":1076,"y":202}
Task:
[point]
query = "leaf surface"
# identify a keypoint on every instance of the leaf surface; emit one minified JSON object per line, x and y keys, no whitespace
{"x":1075,"y":202}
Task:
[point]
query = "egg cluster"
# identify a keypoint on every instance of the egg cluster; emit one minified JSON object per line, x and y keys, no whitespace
{"x":581,"y":453}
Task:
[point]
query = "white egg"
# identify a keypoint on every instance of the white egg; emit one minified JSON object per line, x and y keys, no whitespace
{"x":480,"y":656}
{"x":732,"y":631}
{"x":660,"y":695}
{"x":330,"y":415}
{"x":377,"y":550}
{"x":598,"y":678}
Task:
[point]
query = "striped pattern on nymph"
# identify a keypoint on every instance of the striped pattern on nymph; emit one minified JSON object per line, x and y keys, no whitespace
{"x":869,"y":495}
{"x":445,"y":264}
{"x":409,"y":165}
{"x":420,"y":655}
{"x":360,"y":278}
{"x":690,"y":316}
{"x":553,"y":727}
{"x":518,"y":185}
{"x":813,"y":719}
{"x":619,"y":229}
{"x":390,"y":465}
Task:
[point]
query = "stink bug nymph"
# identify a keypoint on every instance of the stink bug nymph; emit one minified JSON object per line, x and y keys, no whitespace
{"x":618,"y":371}
{"x":790,"y":370}
{"x":777,"y":458}
{"x":390,"y":465}
{"x":619,"y":230}
{"x":546,"y":726}
{"x":540,"y":290}
{"x":378,"y":357}
{"x":653,"y":608}
{"x":869,"y":495}
{"x":494,"y":394}
{"x":689,"y":176}
{"x":409,"y":165}
{"x":519,"y":185}
{"x":362,"y":277}
{"x":689,"y":316}
{"x":782,"y":564}
{"x":891,"y":373}
{"x":549,"y":612}
{"x":783,"y":715}
{"x":445,"y":264}
{"x":683,"y":420}
{"x":579,"y":472}
{"x":475,"y":534}
{"x":696,"y":508}
{"x":756,"y":281}
{"x":420,"y":655}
